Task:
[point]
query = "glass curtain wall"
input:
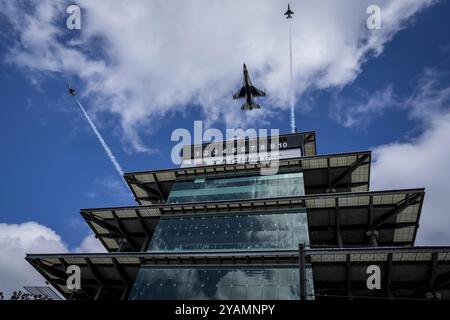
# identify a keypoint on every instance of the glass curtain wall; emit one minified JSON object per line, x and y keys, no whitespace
{"x":228,"y":232}
{"x":235,"y":188}
{"x":213,"y":232}
{"x":243,"y":283}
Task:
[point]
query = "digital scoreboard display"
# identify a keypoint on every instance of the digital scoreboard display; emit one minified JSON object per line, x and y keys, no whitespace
{"x":249,"y":150}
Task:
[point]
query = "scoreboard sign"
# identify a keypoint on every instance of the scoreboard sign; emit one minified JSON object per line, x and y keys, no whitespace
{"x":241,"y":151}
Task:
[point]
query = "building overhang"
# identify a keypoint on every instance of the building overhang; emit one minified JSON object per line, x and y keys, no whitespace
{"x":412,"y":273}
{"x":337,"y":273}
{"x":345,"y":172}
{"x":334,"y":219}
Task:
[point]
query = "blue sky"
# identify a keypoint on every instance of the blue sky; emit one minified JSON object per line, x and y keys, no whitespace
{"x":52,"y":164}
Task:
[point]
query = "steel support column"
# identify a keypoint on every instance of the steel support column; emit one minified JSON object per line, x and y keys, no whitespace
{"x":348,"y":276}
{"x":388,"y":281}
{"x":98,"y":293}
{"x":302,"y":270}
{"x":338,"y":223}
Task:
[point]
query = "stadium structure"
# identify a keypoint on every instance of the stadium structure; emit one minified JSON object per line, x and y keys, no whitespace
{"x":223,"y":230}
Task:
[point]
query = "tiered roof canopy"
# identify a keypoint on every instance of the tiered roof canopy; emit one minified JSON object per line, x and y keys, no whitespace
{"x":406,"y":272}
{"x":345,"y":172}
{"x":334,"y":219}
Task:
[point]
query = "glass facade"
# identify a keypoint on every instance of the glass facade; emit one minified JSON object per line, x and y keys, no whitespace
{"x":234,"y":188}
{"x":228,"y":232}
{"x":241,"y":283}
{"x":268,"y":231}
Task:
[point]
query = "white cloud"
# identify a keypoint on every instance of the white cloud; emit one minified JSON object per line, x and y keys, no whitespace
{"x":423,"y":161}
{"x":107,"y":186}
{"x":113,"y":185}
{"x":359,"y":111}
{"x":428,"y":99}
{"x":16,"y":240}
{"x":160,"y":57}
{"x":90,"y":244}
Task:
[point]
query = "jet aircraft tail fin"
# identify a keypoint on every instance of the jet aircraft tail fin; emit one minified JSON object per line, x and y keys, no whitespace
{"x":250,"y":106}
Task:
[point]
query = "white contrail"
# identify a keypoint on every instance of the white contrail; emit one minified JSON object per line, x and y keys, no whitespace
{"x":102,"y":141}
{"x":292,"y":82}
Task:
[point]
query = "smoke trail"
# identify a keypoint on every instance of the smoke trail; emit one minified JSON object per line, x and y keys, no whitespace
{"x":102,"y":141}
{"x":293,"y":128}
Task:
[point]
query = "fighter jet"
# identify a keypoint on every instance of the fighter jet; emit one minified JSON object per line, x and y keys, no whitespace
{"x":72,"y":92}
{"x":289,"y":12}
{"x":248,"y":91}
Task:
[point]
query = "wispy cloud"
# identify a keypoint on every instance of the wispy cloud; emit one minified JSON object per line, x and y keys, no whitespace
{"x":428,"y":99}
{"x":90,"y":194}
{"x":112,"y":185}
{"x":363,"y":106}
{"x":431,"y":96}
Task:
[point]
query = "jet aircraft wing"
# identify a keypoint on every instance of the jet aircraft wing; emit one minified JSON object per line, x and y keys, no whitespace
{"x":239,"y":94}
{"x":256,"y":92}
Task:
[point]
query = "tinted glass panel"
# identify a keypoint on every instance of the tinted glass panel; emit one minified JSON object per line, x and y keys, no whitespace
{"x":233,"y":188}
{"x":218,"y":283}
{"x":231,"y":232}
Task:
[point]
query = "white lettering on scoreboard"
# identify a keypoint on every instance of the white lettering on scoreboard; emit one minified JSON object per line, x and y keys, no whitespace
{"x":205,"y":159}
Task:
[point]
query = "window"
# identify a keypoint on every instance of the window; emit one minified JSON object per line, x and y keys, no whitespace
{"x":261,"y":231}
{"x":206,"y":283}
{"x":233,"y":188}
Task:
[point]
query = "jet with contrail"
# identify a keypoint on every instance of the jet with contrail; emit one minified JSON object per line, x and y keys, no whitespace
{"x":108,"y":151}
{"x":288,"y":15}
{"x":72,"y":91}
{"x":289,"y":12}
{"x":248,"y":91}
